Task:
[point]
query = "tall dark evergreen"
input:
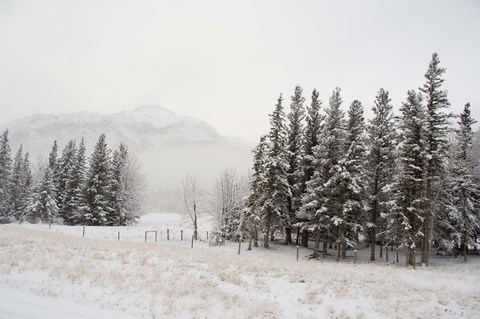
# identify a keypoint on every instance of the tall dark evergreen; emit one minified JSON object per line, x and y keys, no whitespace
{"x":379,"y":167}
{"x":5,"y":179}
{"x":320,"y":205}
{"x":98,"y":207}
{"x":405,"y":219}
{"x":436,"y":131}
{"x":73,"y":200}
{"x":294,"y":159}
{"x":119,"y":194}
{"x":461,"y":187}
{"x":64,"y":168}
{"x":251,"y":216}
{"x":277,"y":190}
{"x":21,"y":183}
{"x":43,"y":206}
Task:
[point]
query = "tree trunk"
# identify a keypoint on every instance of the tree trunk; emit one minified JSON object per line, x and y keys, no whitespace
{"x":344,"y":250}
{"x":316,"y":246}
{"x":250,"y":240}
{"x":298,"y":233}
{"x":325,"y":246}
{"x":380,"y":250}
{"x":338,"y":251}
{"x":288,"y":235}
{"x":255,"y":236}
{"x":372,"y":245}
{"x":305,"y":238}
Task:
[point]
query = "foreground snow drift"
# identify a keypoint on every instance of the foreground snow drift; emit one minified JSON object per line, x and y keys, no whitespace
{"x":168,"y":279}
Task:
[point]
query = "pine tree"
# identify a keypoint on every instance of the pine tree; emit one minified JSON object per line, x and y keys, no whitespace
{"x":405,"y":221}
{"x":251,"y":215}
{"x":314,"y":126}
{"x":294,"y":159}
{"x":64,"y":169}
{"x":98,"y":208}
{"x":73,"y":201}
{"x":43,"y":206}
{"x":277,"y":190}
{"x":462,"y":189}
{"x":5,"y":179}
{"x":320,"y":202}
{"x":380,"y":166}
{"x":435,"y":149}
{"x":119,"y":194}
{"x":350,"y":181}
{"x":21,"y":183}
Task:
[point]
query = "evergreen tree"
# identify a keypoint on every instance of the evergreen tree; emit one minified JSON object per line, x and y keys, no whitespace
{"x":314,"y":125}
{"x":436,"y":130}
{"x":21,"y":183}
{"x":379,"y":167}
{"x":277,"y":190}
{"x":320,"y":202}
{"x":119,"y":194}
{"x":43,"y":206}
{"x":5,"y":179}
{"x":462,"y":189}
{"x":294,"y":159}
{"x":98,"y":210}
{"x":251,"y":215}
{"x":350,"y":181}
{"x":73,"y":201}
{"x":405,"y":221}
{"x":64,"y":169}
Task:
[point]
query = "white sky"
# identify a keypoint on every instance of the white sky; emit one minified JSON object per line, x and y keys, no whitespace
{"x":227,"y":61}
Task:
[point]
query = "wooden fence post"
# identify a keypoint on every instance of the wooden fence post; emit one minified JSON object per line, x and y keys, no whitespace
{"x":298,"y":251}
{"x":181,"y":235}
{"x":355,"y":257}
{"x":83,"y":235}
{"x":118,"y":236}
{"x":239,"y":245}
{"x":192,"y":240}
{"x":168,"y":234}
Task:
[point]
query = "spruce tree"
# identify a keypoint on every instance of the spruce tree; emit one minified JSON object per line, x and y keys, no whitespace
{"x":43,"y":206}
{"x":379,"y":167}
{"x":5,"y":179}
{"x":294,"y":159}
{"x":119,"y":195}
{"x":73,"y":202}
{"x":64,"y":168}
{"x":277,"y":190}
{"x":405,"y":219}
{"x":436,"y":131}
{"x":98,"y":208}
{"x":21,"y":183}
{"x":251,"y":215}
{"x":462,"y":189}
{"x":320,"y":202}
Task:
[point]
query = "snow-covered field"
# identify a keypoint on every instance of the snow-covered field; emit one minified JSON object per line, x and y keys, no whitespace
{"x":57,"y":273}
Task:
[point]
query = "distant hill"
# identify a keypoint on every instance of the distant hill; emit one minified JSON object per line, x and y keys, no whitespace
{"x":167,"y":144}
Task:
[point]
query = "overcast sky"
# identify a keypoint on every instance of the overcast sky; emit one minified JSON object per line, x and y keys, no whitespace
{"x":226,"y":61}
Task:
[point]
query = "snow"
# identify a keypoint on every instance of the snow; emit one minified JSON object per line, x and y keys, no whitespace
{"x":57,"y":273}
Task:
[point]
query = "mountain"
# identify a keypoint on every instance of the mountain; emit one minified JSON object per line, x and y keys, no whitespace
{"x":168,"y":145}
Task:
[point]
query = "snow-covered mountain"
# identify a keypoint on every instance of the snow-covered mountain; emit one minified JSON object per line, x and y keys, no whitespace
{"x":143,"y":128}
{"x":168,"y":144}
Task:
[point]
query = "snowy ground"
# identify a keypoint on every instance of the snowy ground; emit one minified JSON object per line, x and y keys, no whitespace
{"x":57,"y":273}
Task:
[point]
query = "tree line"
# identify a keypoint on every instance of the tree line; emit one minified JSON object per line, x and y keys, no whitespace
{"x":70,"y":189}
{"x":410,"y":179}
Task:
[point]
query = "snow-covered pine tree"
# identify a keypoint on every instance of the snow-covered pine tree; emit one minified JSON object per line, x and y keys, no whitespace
{"x":118,"y":192}
{"x":379,"y":166}
{"x":350,"y":181}
{"x":43,"y":206}
{"x":277,"y":190}
{"x":436,"y":131}
{"x":313,"y":128}
{"x":97,"y":188}
{"x":134,"y":186}
{"x":320,"y":201}
{"x":462,"y":190}
{"x":73,"y":202}
{"x":21,"y":183}
{"x":64,"y":168}
{"x":405,"y":219}
{"x":294,"y":159}
{"x":5,"y":179}
{"x":251,"y":215}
